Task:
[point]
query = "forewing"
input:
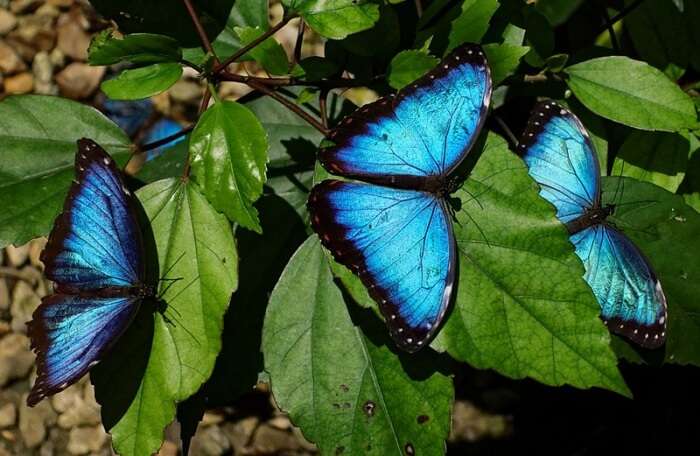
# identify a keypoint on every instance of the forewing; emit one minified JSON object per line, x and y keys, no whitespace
{"x":631,"y":298}
{"x":561,"y":158}
{"x":425,"y":130}
{"x":399,"y":242}
{"x":95,"y":242}
{"x":69,"y":333}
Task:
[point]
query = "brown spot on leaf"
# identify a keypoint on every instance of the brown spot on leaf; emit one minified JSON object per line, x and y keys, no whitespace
{"x":368,"y":407}
{"x":422,"y":419}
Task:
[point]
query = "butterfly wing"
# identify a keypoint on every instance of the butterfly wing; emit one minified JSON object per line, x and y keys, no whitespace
{"x":95,"y":257}
{"x":70,"y":333}
{"x":425,"y":130}
{"x":399,"y":242}
{"x":95,"y":243}
{"x":561,"y":158}
{"x":632,"y":300}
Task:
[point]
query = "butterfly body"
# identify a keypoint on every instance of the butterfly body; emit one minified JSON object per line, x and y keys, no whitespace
{"x":589,"y":218}
{"x":561,"y":158}
{"x":393,"y":230}
{"x":94,"y":256}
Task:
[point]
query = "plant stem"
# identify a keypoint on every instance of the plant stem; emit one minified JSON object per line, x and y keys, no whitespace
{"x":290,"y":105}
{"x":291,"y":81}
{"x":322,"y":101}
{"x":200,"y":30}
{"x":164,"y":141}
{"x":625,"y":11}
{"x":242,"y":51}
{"x":299,"y":43}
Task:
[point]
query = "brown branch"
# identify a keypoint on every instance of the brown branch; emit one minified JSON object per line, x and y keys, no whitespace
{"x":242,"y":51}
{"x":291,"y":81}
{"x":322,"y":101}
{"x":299,"y":43}
{"x":206,"y":43}
{"x":164,"y":141}
{"x":290,"y":105}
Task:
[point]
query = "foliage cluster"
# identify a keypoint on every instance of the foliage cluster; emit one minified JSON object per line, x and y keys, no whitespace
{"x":227,"y":207}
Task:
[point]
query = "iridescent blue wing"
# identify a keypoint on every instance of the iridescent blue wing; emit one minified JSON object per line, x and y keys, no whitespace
{"x":632,"y":301}
{"x":399,"y":242}
{"x":561,"y":158}
{"x":95,"y":243}
{"x":425,"y":130}
{"x":159,"y":131}
{"x":70,"y":333}
{"x":95,"y":257}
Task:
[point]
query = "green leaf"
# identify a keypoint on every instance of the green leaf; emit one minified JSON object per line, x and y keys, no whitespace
{"x":139,"y":48}
{"x":382,"y":39}
{"x":557,"y":11}
{"x":632,"y":93}
{"x":658,"y":33}
{"x":666,"y":230}
{"x":142,"y":82}
{"x":170,"y":163}
{"x":542,"y":325}
{"x":690,"y":187}
{"x":38,"y":136}
{"x":315,"y":68}
{"x":335,"y":19}
{"x":472,"y":23}
{"x":348,"y":394}
{"x":504,"y":59}
{"x":229,"y":153}
{"x":659,"y":158}
{"x":269,"y":53}
{"x":168,"y":354}
{"x":245,"y":13}
{"x":539,"y":36}
{"x":556,"y":63}
{"x":407,"y":66}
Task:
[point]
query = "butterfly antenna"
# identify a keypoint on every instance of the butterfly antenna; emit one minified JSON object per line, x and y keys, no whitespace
{"x":478,"y":228}
{"x":171,"y":282}
{"x":509,"y":134}
{"x":183,"y":289}
{"x":619,"y":183}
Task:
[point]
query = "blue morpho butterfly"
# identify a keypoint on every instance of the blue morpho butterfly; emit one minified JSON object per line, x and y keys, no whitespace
{"x":394,"y":232}
{"x":561,"y":158}
{"x":95,"y":258}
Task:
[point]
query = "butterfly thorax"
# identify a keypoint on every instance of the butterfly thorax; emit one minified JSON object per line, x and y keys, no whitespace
{"x":592,"y":216}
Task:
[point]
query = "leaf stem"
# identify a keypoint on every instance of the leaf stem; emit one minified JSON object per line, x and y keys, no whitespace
{"x":625,"y":11}
{"x":299,"y":43}
{"x":164,"y":141}
{"x":206,"y":43}
{"x":322,"y":101}
{"x":218,"y":67}
{"x":291,"y":106}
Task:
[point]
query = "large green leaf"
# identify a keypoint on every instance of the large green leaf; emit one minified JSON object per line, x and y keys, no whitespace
{"x":631,"y":92}
{"x":503,"y":59}
{"x":409,"y":65}
{"x":336,"y":18}
{"x":142,"y":82}
{"x":472,"y":23}
{"x":522,"y":306}
{"x":139,"y":48}
{"x":668,"y":232}
{"x":349,"y":394}
{"x":38,"y":136}
{"x":658,"y":33}
{"x":659,"y":158}
{"x":229,"y":153}
{"x":168,"y":353}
